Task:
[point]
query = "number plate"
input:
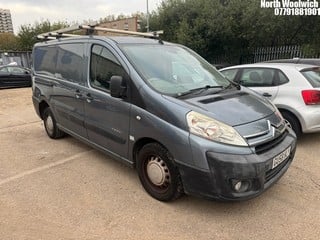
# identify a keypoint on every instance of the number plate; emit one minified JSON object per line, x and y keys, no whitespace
{"x":281,"y":157}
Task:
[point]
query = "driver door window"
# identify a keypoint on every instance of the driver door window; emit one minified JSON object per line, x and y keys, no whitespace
{"x":103,"y":65}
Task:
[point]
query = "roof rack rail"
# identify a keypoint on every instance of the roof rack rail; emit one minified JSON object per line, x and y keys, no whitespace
{"x":53,"y":35}
{"x":64,"y":32}
{"x":59,"y":33}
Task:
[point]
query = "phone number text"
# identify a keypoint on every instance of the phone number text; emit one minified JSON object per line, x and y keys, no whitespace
{"x":296,"y":11}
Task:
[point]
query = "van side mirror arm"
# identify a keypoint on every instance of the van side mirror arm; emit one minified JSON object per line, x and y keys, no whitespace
{"x":118,"y":87}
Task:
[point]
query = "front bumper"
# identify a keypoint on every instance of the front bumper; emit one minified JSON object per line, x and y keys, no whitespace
{"x":224,"y":168}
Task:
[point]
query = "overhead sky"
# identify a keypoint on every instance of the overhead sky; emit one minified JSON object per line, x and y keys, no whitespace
{"x":31,"y":11}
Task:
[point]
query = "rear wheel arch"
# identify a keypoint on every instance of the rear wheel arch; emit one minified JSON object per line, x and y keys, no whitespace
{"x":42,"y":107}
{"x":49,"y":121}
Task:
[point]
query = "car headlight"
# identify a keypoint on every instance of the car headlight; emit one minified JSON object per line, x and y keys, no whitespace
{"x":214,"y":130}
{"x":277,"y":112}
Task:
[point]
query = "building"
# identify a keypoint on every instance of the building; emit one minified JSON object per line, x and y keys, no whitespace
{"x":5,"y":21}
{"x":127,"y":24}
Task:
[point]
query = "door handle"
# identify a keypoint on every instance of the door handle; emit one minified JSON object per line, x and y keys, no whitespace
{"x":78,"y":94}
{"x":266,"y":95}
{"x":52,"y":84}
{"x":89,"y":97}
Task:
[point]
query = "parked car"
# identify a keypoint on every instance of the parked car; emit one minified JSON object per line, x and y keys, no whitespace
{"x":222,"y":65}
{"x":293,"y":88}
{"x":311,"y":61}
{"x":161,"y":108}
{"x":14,"y":76}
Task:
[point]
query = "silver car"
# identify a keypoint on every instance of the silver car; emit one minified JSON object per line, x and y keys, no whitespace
{"x":293,"y":88}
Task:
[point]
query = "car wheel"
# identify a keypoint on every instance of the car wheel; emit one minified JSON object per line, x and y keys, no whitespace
{"x":292,"y":122}
{"x":157,"y":172}
{"x":50,"y":125}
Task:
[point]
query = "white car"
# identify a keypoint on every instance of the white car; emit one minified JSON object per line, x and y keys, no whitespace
{"x":293,"y":88}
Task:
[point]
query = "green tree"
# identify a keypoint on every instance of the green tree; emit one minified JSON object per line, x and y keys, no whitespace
{"x":27,"y":34}
{"x":233,"y":28}
{"x":8,"y":42}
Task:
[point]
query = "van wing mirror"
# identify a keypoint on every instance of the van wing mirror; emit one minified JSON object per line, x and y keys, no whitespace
{"x":118,"y":87}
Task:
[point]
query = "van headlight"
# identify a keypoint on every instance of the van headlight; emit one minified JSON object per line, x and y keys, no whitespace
{"x":214,"y":130}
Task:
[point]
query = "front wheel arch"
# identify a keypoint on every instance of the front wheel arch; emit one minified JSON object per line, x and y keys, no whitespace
{"x":293,"y":121}
{"x":157,"y":172}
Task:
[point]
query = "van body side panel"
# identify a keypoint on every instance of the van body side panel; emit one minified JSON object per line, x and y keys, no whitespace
{"x":42,"y":91}
{"x":107,"y":121}
{"x":146,"y":125}
{"x":68,"y":105}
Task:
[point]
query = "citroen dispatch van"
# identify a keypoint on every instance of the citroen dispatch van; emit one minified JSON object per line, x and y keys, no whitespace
{"x":162,"y":109}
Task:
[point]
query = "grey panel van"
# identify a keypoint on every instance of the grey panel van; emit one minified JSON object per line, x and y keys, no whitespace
{"x":162,"y":109}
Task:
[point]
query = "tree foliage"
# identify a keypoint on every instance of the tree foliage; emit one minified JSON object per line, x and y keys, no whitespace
{"x":228,"y":28}
{"x":27,"y":35}
{"x":232,"y":27}
{"x":8,"y":42}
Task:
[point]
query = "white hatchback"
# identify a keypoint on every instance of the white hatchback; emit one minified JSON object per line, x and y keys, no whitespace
{"x":293,"y":88}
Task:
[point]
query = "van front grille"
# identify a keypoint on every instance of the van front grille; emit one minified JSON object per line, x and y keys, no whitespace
{"x":268,"y":145}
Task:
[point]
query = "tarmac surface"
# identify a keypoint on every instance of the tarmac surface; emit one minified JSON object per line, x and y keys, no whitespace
{"x":63,"y":189}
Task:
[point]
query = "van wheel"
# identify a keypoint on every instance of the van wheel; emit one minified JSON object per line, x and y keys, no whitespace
{"x":50,"y":125}
{"x":157,"y":173}
{"x":292,"y":122}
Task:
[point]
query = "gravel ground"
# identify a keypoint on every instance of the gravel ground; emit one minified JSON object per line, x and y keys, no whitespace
{"x":63,"y":189}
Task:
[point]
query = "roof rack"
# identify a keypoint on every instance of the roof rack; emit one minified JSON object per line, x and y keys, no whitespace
{"x":90,"y":29}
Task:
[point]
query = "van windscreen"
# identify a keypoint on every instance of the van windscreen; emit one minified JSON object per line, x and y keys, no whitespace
{"x":171,"y":69}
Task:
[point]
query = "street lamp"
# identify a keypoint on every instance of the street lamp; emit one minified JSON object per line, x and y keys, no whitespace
{"x":147,"y":16}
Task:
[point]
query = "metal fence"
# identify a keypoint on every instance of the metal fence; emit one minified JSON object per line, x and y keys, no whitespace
{"x":270,"y":53}
{"x":20,"y":58}
{"x":261,"y":54}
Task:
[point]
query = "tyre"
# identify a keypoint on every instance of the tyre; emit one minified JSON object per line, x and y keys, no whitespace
{"x":157,"y":172}
{"x":50,"y":125}
{"x":292,"y":122}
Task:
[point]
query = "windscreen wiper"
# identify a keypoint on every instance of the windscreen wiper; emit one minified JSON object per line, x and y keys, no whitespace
{"x":198,"y":90}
